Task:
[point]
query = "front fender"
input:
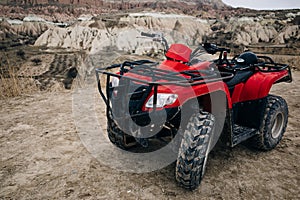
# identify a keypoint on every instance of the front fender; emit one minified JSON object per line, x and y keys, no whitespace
{"x":186,"y":94}
{"x":205,"y":89}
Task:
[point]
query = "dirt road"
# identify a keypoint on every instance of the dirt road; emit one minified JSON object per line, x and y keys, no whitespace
{"x":42,"y":157}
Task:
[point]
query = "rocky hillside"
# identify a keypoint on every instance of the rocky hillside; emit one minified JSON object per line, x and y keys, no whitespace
{"x":93,"y":32}
{"x":73,"y":35}
{"x":66,"y":10}
{"x":16,"y":33}
{"x":123,"y":32}
{"x":199,"y":20}
{"x":98,"y":32}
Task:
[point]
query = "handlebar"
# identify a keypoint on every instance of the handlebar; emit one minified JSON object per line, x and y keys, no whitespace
{"x":157,"y":37}
{"x":212,"y":48}
{"x":152,"y":35}
{"x":148,"y":34}
{"x":224,"y":49}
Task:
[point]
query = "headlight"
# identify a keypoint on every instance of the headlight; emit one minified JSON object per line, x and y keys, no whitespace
{"x":114,"y":81}
{"x":162,"y":100}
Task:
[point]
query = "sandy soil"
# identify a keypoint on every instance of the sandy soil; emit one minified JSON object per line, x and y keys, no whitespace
{"x":42,"y":157}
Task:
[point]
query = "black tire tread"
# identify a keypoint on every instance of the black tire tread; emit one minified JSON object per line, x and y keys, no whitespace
{"x":116,"y":135}
{"x":264,"y":141}
{"x":191,"y":157}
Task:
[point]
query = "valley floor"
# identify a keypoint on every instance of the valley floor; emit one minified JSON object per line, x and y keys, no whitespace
{"x":42,"y":157}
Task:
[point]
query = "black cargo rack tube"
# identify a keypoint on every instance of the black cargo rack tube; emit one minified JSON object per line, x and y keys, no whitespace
{"x":272,"y":67}
{"x":172,"y":78}
{"x":159,"y":77}
{"x":183,"y":82}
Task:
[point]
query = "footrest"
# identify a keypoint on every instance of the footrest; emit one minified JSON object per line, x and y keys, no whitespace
{"x":241,"y":133}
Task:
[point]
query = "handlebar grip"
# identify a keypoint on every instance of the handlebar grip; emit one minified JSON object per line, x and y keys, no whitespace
{"x":224,"y":49}
{"x":228,"y":50}
{"x":147,"y":34}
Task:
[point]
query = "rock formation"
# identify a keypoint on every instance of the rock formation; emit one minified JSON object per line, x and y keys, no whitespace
{"x":124,"y":34}
{"x":100,"y":32}
{"x":208,"y":20}
{"x":66,"y":10}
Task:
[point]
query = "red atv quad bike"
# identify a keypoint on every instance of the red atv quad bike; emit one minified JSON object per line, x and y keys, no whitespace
{"x":199,"y":101}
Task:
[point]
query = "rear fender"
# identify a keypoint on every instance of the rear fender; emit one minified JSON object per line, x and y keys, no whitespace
{"x":258,"y":86}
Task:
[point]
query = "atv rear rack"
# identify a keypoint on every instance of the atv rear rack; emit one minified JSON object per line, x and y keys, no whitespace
{"x":268,"y":65}
{"x":158,"y":77}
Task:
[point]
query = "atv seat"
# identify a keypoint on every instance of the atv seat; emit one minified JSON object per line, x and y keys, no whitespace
{"x":239,"y":77}
{"x":242,"y":68}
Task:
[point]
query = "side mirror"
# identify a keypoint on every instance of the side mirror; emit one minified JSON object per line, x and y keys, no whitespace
{"x":210,"y":48}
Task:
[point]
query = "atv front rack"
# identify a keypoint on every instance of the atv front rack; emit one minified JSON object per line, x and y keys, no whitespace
{"x":148,"y":68}
{"x":155,"y":77}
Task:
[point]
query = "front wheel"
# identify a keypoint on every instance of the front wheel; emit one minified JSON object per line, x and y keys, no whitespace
{"x":194,"y":149}
{"x":273,"y":125}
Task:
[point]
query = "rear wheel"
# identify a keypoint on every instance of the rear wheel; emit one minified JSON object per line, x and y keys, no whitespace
{"x":194,"y":149}
{"x":273,"y":125}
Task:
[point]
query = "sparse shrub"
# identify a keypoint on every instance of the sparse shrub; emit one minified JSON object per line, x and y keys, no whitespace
{"x":21,"y":54}
{"x":12,"y":85}
{"x":36,"y":61}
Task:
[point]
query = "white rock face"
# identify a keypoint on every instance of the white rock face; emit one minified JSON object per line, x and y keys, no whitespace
{"x":33,"y":19}
{"x":85,"y":17}
{"x":31,"y":28}
{"x":123,"y":33}
{"x":73,"y":38}
{"x":251,"y":31}
{"x":180,"y":29}
{"x":287,"y":33}
{"x":255,"y":30}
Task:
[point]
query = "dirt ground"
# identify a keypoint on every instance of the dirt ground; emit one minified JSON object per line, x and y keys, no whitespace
{"x":42,"y":157}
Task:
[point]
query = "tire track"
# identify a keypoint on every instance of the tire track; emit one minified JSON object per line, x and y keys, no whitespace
{"x":63,"y":69}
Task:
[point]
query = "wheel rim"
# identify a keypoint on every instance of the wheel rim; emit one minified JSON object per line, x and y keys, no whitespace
{"x":277,"y":125}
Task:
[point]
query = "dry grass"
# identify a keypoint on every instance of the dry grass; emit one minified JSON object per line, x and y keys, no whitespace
{"x":12,"y":85}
